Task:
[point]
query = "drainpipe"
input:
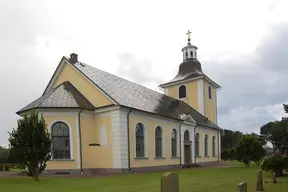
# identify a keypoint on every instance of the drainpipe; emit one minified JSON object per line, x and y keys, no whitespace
{"x":128,"y":139}
{"x":195,"y":142}
{"x":80,"y":142}
{"x":180,"y":142}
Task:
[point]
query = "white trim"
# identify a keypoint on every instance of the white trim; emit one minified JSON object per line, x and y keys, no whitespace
{"x":201,"y":98}
{"x":154,"y":117}
{"x":70,"y":136}
{"x":166,"y":91}
{"x":190,"y":130}
{"x":55,"y":75}
{"x":119,"y":138}
{"x":189,"y":120}
{"x":66,"y":61}
{"x":106,"y":109}
{"x":179,"y":91}
{"x":103,"y":135}
{"x":188,"y":80}
{"x":58,"y":113}
{"x":219,"y":147}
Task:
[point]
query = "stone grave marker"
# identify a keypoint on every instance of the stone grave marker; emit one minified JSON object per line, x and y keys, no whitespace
{"x":242,"y":187}
{"x":259,"y":181}
{"x":274,"y":178}
{"x":169,"y":182}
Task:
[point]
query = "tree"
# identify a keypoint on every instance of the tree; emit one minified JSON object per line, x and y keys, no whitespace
{"x":275,"y":164}
{"x":249,"y":149}
{"x":4,"y":153}
{"x":225,"y":154}
{"x":277,"y":133}
{"x":32,"y":144}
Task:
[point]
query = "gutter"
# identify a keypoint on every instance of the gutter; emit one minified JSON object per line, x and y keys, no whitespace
{"x":80,"y":142}
{"x":128,"y":139}
{"x":180,"y":142}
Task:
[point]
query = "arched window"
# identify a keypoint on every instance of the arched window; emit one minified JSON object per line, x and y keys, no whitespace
{"x":182,"y":91}
{"x":186,"y":54}
{"x":60,"y":141}
{"x":186,"y":136}
{"x":213,"y":146}
{"x":158,"y":142}
{"x":209,"y":92}
{"x":140,"y":147}
{"x":191,"y":54}
{"x":197,"y":147}
{"x":206,"y":145}
{"x":174,"y":143}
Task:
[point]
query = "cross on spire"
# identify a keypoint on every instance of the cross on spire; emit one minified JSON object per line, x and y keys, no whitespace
{"x":188,"y":33}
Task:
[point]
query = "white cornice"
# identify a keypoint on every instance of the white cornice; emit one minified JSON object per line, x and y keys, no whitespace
{"x":192,"y":79}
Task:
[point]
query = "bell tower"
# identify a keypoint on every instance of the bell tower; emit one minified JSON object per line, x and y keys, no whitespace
{"x":192,"y":86}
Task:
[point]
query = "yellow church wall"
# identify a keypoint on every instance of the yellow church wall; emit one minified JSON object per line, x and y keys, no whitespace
{"x":96,"y":156}
{"x":210,"y":104}
{"x":150,"y":124}
{"x":71,"y":121}
{"x":191,"y":93}
{"x":210,"y":133}
{"x":68,"y":73}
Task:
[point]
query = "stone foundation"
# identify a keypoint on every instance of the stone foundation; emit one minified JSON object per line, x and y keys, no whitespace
{"x":103,"y":171}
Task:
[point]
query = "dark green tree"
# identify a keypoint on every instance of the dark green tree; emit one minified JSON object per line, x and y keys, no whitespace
{"x":249,"y":149}
{"x":31,"y":143}
{"x":225,"y":154}
{"x":4,"y":153}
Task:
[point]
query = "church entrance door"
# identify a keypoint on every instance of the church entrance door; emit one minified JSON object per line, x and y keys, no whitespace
{"x":187,"y":154}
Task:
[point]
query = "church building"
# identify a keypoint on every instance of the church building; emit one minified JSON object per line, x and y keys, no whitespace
{"x":101,"y":123}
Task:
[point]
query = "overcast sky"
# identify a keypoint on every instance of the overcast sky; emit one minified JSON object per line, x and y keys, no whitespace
{"x":242,"y":45}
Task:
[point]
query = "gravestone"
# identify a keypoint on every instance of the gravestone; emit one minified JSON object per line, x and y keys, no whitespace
{"x":169,"y":182}
{"x":274,"y":178}
{"x":242,"y":187}
{"x":259,"y":181}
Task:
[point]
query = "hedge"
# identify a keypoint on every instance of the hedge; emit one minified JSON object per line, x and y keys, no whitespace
{"x":11,"y":166}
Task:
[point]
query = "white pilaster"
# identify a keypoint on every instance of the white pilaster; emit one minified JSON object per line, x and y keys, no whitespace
{"x":119,"y":139}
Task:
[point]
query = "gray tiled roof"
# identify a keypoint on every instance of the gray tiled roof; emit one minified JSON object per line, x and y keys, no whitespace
{"x":132,"y":95}
{"x":63,"y":96}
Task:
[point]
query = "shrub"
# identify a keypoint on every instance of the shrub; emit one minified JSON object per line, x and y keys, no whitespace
{"x":274,"y":164}
{"x":6,"y":167}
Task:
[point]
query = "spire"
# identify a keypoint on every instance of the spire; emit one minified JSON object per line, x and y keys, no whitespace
{"x":189,"y":51}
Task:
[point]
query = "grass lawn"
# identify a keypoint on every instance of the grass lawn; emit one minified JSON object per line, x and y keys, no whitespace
{"x":191,"y":180}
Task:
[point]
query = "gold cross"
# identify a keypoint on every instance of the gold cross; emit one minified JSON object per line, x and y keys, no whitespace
{"x":188,"y":35}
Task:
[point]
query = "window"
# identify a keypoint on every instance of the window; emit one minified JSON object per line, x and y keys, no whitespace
{"x":213,"y":146}
{"x":191,"y":54}
{"x":158,"y":142}
{"x":206,"y":145}
{"x":197,"y":147}
{"x":140,"y":140}
{"x":209,"y":92}
{"x":182,"y":91}
{"x":186,"y":136}
{"x":186,"y":54}
{"x":60,"y":141}
{"x":174,"y":143}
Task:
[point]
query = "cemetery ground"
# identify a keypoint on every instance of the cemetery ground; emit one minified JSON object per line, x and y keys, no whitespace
{"x":190,"y":180}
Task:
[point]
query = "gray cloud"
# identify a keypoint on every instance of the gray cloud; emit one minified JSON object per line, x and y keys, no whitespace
{"x":255,"y":84}
{"x":20,"y":68}
{"x":138,"y":71}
